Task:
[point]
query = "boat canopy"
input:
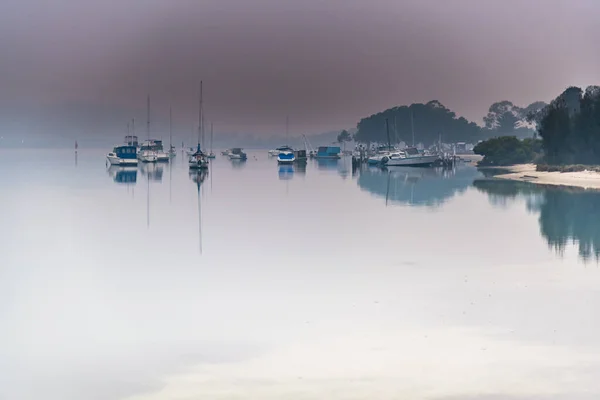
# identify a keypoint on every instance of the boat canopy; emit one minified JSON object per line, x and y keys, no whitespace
{"x":126,"y":151}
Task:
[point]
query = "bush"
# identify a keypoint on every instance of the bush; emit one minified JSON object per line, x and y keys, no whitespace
{"x":508,"y":150}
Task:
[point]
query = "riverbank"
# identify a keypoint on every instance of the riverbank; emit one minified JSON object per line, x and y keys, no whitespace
{"x":528,"y":173}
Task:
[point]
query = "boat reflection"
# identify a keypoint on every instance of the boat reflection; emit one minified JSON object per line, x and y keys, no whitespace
{"x":199,"y":176}
{"x":416,"y":186}
{"x":286,"y":172}
{"x":238,"y":163}
{"x":567,"y":215}
{"x":327,"y":164}
{"x":153,"y":171}
{"x":127,"y":175}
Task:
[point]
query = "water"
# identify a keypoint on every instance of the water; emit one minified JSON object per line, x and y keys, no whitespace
{"x":283,"y":283}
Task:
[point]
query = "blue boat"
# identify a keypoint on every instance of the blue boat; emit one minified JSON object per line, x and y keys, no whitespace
{"x":124,"y":155}
{"x":286,"y":155}
{"x":331,"y":152}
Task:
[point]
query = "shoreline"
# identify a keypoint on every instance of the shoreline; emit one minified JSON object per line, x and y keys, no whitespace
{"x":527,"y":173}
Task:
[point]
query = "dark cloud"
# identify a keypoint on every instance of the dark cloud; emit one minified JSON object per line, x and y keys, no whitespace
{"x":324,"y":63}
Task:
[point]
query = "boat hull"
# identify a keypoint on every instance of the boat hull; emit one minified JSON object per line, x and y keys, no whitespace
{"x":286,"y":157}
{"x":162,"y":157}
{"x":422,"y":161}
{"x":285,"y":162}
{"x":123,"y":162}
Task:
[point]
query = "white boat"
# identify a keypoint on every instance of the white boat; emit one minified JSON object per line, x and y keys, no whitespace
{"x":274,"y":152}
{"x":155,"y":147}
{"x":382,"y":153}
{"x":409,"y":157}
{"x":123,"y":155}
{"x":147,"y":156}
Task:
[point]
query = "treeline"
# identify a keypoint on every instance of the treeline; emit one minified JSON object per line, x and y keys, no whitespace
{"x":570,"y":127}
{"x":427,"y":121}
{"x":432,"y":121}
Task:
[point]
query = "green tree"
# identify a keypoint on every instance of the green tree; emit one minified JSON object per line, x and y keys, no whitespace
{"x":344,"y":137}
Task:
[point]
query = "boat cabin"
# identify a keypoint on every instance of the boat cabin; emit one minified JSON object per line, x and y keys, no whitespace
{"x":151,"y":145}
{"x":126,"y":152}
{"x":300,"y":155}
{"x":328,"y":152}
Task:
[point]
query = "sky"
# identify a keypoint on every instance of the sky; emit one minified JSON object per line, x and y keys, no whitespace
{"x":325,"y":64}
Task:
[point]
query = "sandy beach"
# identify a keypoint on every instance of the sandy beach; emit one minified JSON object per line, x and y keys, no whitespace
{"x":527,"y":173}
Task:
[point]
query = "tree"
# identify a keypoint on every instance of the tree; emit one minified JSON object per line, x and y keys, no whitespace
{"x":427,"y":121}
{"x":344,"y":137}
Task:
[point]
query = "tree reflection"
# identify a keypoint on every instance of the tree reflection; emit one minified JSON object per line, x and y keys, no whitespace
{"x":566,"y":215}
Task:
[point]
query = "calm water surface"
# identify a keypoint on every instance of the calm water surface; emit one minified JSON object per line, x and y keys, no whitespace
{"x":260,"y":282}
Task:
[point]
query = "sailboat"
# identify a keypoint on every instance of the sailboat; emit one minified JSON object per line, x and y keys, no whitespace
{"x":147,"y":153}
{"x":211,"y":154}
{"x":198,"y":160}
{"x":286,"y":154}
{"x":172,"y":151}
{"x":410,"y":156}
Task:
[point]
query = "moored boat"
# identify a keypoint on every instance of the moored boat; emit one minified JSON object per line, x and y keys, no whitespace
{"x":328,"y":152}
{"x":237,"y":154}
{"x":286,"y":155}
{"x":410,"y":157}
{"x":123,"y":155}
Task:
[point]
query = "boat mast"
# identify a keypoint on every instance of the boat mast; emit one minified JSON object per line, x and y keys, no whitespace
{"x":170,"y":128}
{"x":148,"y":120}
{"x":412,"y":128}
{"x":200,"y":116}
{"x":287,"y":122}
{"x":211,"y":137}
{"x":387,"y":131}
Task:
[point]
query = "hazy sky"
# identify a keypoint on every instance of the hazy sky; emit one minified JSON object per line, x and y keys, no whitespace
{"x":326,"y":64}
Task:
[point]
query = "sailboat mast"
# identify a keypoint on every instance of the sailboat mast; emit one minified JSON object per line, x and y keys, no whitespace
{"x":412,"y":128}
{"x":200,"y":115}
{"x":148,"y":120}
{"x":387,"y":131}
{"x":170,"y":128}
{"x":211,"y":137}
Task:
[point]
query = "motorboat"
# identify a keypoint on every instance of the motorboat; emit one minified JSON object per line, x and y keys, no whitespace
{"x":147,"y":156}
{"x":237,"y":154}
{"x":286,"y":155}
{"x":123,"y":155}
{"x":155,"y":146}
{"x":275,"y":152}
